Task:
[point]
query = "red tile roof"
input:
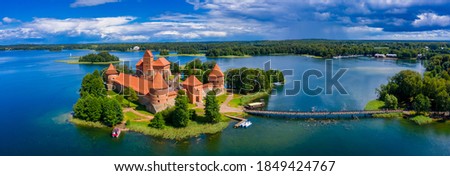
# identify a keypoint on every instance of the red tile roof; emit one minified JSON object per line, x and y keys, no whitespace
{"x":148,"y":54}
{"x":161,"y":62}
{"x":159,"y":82}
{"x":173,"y":93}
{"x":140,"y":85}
{"x":140,"y":62}
{"x":216,"y":71}
{"x":111,"y":70}
{"x":191,"y":81}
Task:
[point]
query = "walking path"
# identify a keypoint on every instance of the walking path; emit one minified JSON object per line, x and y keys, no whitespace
{"x":225,"y":108}
{"x":146,"y":117}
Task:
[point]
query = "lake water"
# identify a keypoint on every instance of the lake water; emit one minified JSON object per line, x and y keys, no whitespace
{"x":37,"y":94}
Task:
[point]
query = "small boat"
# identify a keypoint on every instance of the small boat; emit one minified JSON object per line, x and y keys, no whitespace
{"x":246,"y":124}
{"x":115,"y":133}
{"x":255,"y":105}
{"x":278,"y":84}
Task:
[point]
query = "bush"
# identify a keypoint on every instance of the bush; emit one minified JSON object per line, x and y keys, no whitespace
{"x":388,"y":115}
{"x":421,"y":120}
{"x":157,"y":122}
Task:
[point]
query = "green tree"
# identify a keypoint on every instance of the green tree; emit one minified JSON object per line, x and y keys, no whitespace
{"x":80,"y":109}
{"x":88,"y":108}
{"x":131,"y":95}
{"x":157,"y":122}
{"x":111,"y":112}
{"x":405,"y":85}
{"x":164,"y":52}
{"x":441,"y":102}
{"x":181,"y":115}
{"x":212,"y":108}
{"x":94,"y":108}
{"x":93,"y":84}
{"x":175,"y":67}
{"x":391,"y":101}
{"x":421,"y":103}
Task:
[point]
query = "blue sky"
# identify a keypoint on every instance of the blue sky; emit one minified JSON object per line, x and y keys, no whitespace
{"x":107,"y":21}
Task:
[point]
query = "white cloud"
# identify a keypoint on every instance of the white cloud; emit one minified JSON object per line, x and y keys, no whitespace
{"x":397,"y":11}
{"x":134,"y":38}
{"x":431,"y":19}
{"x":421,"y":35}
{"x":125,"y":28}
{"x":10,"y":20}
{"x":84,"y":3}
{"x":322,"y":16}
{"x":362,"y":29}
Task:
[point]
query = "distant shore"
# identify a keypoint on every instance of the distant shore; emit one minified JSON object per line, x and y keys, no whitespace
{"x":72,"y":61}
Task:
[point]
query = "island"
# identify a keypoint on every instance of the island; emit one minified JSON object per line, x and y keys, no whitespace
{"x":163,"y":100}
{"x":93,"y":58}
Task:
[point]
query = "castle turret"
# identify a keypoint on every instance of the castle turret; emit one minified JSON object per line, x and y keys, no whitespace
{"x":111,"y":74}
{"x":158,"y":90}
{"x":216,"y":77}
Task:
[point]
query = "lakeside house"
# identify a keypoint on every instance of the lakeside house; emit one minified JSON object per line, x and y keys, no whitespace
{"x":385,"y":55}
{"x":379,"y":55}
{"x":156,"y":87}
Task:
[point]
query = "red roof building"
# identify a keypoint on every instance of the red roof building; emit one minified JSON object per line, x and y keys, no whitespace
{"x":155,"y":90}
{"x":194,"y":89}
{"x":111,"y":70}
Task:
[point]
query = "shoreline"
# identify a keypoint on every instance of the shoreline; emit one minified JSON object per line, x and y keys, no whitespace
{"x":86,"y":63}
{"x":419,"y":119}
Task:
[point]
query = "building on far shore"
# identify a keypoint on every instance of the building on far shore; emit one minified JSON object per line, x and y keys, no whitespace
{"x":156,"y":90}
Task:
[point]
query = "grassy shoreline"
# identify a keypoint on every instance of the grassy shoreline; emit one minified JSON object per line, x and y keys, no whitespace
{"x":86,"y":123}
{"x":194,"y":129}
{"x":413,"y":117}
{"x":231,"y":56}
{"x":241,"y":100}
{"x":374,"y":105}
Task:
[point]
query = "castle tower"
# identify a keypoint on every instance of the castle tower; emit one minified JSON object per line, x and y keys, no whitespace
{"x":145,"y":66}
{"x":216,"y":77}
{"x":194,"y":89}
{"x":111,"y":74}
{"x":158,"y":90}
{"x":162,"y":66}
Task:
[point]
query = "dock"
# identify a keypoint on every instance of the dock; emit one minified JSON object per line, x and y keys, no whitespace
{"x":241,"y":120}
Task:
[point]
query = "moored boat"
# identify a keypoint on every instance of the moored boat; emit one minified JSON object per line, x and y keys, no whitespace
{"x":115,"y":133}
{"x":246,"y":124}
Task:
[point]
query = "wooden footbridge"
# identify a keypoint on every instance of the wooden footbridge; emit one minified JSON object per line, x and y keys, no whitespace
{"x":319,"y":114}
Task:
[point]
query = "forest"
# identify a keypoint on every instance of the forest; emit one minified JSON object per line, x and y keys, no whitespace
{"x":320,"y":48}
{"x":410,"y":90}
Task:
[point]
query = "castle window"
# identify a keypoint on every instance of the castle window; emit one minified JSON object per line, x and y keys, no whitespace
{"x":158,"y":101}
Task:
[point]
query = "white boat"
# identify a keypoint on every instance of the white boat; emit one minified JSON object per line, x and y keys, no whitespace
{"x":246,"y":124}
{"x":278,"y":84}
